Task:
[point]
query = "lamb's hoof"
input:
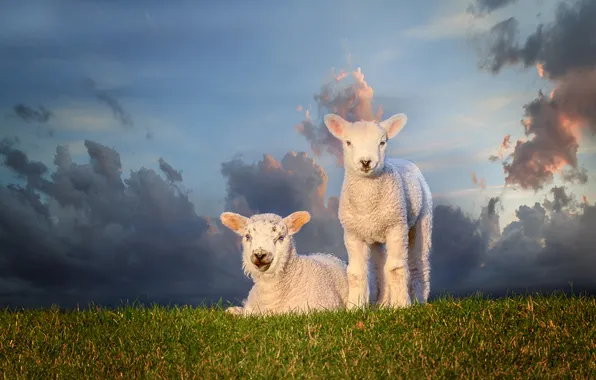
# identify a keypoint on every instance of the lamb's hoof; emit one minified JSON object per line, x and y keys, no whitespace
{"x":234,"y":310}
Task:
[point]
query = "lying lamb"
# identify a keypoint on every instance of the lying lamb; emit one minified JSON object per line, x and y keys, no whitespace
{"x":283,"y":280}
{"x":383,"y":203}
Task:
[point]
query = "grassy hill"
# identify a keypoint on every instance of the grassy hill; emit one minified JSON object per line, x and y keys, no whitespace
{"x":521,"y":337}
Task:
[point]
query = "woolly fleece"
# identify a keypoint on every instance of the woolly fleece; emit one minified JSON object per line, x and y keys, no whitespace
{"x":290,"y":282}
{"x":386,"y":212}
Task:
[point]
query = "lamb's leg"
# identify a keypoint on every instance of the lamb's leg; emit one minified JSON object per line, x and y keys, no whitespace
{"x":249,"y":306}
{"x":418,"y":259}
{"x":413,"y":255}
{"x":378,"y":259}
{"x":358,"y":289}
{"x":396,"y":267}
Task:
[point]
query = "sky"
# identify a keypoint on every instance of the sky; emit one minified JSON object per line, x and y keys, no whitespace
{"x":167,"y":114}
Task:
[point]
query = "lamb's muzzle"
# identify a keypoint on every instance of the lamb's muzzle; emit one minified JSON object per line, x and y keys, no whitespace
{"x":365,"y":165}
{"x":261,"y":259}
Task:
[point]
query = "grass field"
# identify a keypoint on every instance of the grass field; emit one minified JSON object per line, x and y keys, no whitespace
{"x":520,"y":337}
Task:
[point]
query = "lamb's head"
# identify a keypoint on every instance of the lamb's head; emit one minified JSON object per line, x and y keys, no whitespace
{"x":365,"y":142}
{"x":267,"y":241}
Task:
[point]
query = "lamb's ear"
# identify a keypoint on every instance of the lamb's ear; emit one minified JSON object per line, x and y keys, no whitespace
{"x":295,"y":221}
{"x":233,"y":221}
{"x":336,"y":125}
{"x":394,"y":124}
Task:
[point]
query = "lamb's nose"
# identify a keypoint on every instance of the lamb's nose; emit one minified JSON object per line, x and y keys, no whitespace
{"x":365,"y":163}
{"x":259,"y":254}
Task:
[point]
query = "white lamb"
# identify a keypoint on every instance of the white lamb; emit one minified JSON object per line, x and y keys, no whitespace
{"x":283,"y":280}
{"x":383,"y":203}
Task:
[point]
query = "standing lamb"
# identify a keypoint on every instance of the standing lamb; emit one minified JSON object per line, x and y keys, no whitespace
{"x":283,"y":280}
{"x":386,"y":203}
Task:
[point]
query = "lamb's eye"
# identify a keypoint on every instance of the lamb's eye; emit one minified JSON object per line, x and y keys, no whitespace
{"x":382,"y":143}
{"x":348,"y":143}
{"x":247,"y":236}
{"x":280,"y":239}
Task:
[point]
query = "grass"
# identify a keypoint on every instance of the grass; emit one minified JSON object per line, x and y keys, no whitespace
{"x":519,"y":337}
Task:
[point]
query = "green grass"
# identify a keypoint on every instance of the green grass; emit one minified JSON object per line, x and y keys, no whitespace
{"x":520,"y":337}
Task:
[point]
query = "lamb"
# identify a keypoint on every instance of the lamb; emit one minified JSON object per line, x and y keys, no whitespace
{"x":386,"y":213}
{"x":283,"y":280}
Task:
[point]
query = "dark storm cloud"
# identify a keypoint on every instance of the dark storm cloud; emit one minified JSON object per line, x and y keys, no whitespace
{"x":560,"y":200}
{"x":119,"y":112}
{"x":82,"y":234}
{"x":541,"y":251}
{"x":502,"y":42}
{"x":545,"y":251}
{"x":564,"y":45}
{"x":469,"y":254}
{"x":30,"y":114}
{"x":482,"y":7}
{"x":172,"y":174}
{"x":18,"y":162}
{"x":579,"y":176}
{"x":564,"y":51}
{"x":457,"y":249}
{"x":295,"y":183}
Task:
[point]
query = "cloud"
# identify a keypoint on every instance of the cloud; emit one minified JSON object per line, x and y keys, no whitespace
{"x":449,"y":25}
{"x":295,"y":183}
{"x":564,"y":53}
{"x":450,"y":160}
{"x":75,"y":233}
{"x":466,"y":192}
{"x":478,"y":182}
{"x":30,"y":114}
{"x":552,"y":124}
{"x":562,"y":46}
{"x":457,"y":247}
{"x":502,"y":46}
{"x":85,"y":118}
{"x":171,"y":174}
{"x":82,"y":233}
{"x":577,"y":176}
{"x":561,"y":200}
{"x":386,"y":57}
{"x":18,"y":161}
{"x":498,"y":102}
{"x":482,"y":7}
{"x":352,"y":101}
{"x":119,"y":112}
{"x":540,"y":251}
{"x":505,"y":145}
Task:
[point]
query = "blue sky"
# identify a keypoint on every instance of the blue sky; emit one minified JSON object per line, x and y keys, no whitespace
{"x":211,"y":80}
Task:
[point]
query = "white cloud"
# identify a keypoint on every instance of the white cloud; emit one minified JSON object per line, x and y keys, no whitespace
{"x":84,"y":117}
{"x":498,"y":102}
{"x":466,"y":192}
{"x":454,"y":25}
{"x":422,"y":147}
{"x":385,"y":57}
{"x":77,"y":148}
